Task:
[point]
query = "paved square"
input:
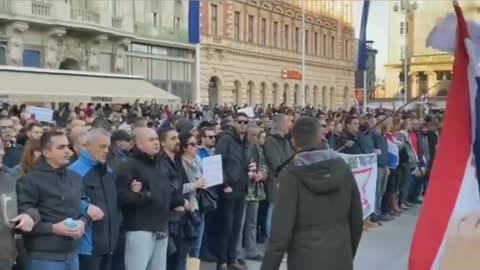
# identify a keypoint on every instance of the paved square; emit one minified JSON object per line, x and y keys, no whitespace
{"x":386,"y":247}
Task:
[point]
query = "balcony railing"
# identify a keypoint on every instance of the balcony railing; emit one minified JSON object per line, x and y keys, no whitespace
{"x":41,"y":9}
{"x":85,"y":15}
{"x":117,"y":22}
{"x":163,"y":33}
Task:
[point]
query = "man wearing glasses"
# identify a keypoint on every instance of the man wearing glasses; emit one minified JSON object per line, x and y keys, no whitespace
{"x":13,"y":151}
{"x":323,"y":132}
{"x":237,"y":162}
{"x":207,"y":140}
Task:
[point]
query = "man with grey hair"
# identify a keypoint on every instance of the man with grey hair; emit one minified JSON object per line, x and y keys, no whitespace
{"x":277,"y":150}
{"x":100,"y":238}
{"x":77,"y":138}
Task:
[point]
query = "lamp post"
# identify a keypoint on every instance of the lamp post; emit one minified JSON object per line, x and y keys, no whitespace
{"x":405,"y":7}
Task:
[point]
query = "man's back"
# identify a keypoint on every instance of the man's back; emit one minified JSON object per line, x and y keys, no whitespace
{"x":318,"y":214}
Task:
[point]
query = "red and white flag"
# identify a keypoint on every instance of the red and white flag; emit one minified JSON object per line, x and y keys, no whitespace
{"x":453,"y":190}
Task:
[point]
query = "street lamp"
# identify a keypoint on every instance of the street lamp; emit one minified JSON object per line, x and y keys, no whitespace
{"x":405,"y":7}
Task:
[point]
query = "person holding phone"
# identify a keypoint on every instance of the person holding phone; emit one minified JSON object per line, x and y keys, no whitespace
{"x":56,"y":192}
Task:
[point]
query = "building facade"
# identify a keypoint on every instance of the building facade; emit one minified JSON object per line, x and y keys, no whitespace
{"x":429,"y":71}
{"x":251,"y":52}
{"x":146,"y":38}
{"x":370,"y":74}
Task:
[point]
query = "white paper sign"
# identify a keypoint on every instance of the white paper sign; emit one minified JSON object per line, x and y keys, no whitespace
{"x":364,"y":169}
{"x":248,"y":111}
{"x":212,"y":170}
{"x":41,"y":114}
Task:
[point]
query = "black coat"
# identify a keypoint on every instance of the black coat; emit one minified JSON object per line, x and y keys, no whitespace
{"x":149,"y":209}
{"x":317,"y":218}
{"x":57,"y":195}
{"x":277,"y":150}
{"x":8,"y":201}
{"x":100,"y":189}
{"x":236,"y":156}
{"x":355,"y":149}
{"x":13,"y":155}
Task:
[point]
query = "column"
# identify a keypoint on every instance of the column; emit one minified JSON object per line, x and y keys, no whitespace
{"x":414,"y":91}
{"x":15,"y":43}
{"x":52,"y":39}
{"x":432,"y":80}
{"x":290,"y":96}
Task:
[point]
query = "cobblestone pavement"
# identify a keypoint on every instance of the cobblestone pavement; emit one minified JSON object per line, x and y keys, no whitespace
{"x":386,"y":247}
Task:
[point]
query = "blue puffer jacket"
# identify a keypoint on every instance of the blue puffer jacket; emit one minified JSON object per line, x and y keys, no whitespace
{"x":100,"y":237}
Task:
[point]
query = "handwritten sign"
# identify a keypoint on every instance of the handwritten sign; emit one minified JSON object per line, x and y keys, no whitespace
{"x":248,"y":111}
{"x":212,"y":170}
{"x":41,"y":114}
{"x":364,"y":169}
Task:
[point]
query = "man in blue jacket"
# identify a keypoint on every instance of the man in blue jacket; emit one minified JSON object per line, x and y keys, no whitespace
{"x":100,"y":238}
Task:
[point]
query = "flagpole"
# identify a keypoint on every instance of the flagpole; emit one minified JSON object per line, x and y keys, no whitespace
{"x":303,"y":54}
{"x":365,"y":91}
{"x":197,"y":74}
{"x":198,"y":98}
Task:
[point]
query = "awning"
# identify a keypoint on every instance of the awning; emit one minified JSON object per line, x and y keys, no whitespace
{"x":45,"y":85}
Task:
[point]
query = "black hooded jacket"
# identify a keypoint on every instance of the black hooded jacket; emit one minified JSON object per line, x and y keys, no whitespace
{"x":56,"y":194}
{"x":317,"y":218}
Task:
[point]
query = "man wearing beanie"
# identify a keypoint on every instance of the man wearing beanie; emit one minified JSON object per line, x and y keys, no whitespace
{"x":185,"y":126}
{"x":120,"y":147}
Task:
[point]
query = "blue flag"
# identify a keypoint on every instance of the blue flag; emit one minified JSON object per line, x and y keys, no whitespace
{"x":362,"y":40}
{"x":194,"y":21}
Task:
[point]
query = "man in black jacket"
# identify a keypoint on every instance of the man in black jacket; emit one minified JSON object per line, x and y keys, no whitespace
{"x":348,"y":142}
{"x":237,"y":160}
{"x":9,"y":220}
{"x":170,"y":145}
{"x":13,"y":151}
{"x":100,"y":238}
{"x":317,"y":218}
{"x":56,"y":193}
{"x":277,"y":150}
{"x":381,"y":147}
{"x":145,"y":197}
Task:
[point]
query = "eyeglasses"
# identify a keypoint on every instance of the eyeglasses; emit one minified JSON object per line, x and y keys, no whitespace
{"x":192,"y":144}
{"x":242,"y":122}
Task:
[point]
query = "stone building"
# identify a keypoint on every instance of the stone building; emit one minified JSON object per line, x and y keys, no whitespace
{"x":146,"y":38}
{"x":370,"y":73}
{"x":429,"y":71}
{"x":251,"y":52}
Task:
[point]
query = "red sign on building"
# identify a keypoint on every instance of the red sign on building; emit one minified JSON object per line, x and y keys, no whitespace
{"x":291,"y":74}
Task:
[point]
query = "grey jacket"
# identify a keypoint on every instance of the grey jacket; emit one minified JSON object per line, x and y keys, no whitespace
{"x":194,"y":171}
{"x":277,"y":150}
{"x":8,"y":210}
{"x":317,"y":218}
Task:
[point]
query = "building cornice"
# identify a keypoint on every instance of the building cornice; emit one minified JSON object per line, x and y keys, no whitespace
{"x":334,"y":64}
{"x":94,"y":29}
{"x":294,"y":11}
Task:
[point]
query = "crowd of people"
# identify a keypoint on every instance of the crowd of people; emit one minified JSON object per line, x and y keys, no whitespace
{"x":122,"y":187}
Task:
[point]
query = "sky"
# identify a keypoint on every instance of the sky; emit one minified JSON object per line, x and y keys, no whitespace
{"x":376,"y":28}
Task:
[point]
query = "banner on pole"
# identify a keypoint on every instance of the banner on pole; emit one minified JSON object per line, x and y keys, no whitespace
{"x":364,"y":169}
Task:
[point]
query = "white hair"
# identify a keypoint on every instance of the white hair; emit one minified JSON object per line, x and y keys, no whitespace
{"x":95,"y":133}
{"x":278,"y":120}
